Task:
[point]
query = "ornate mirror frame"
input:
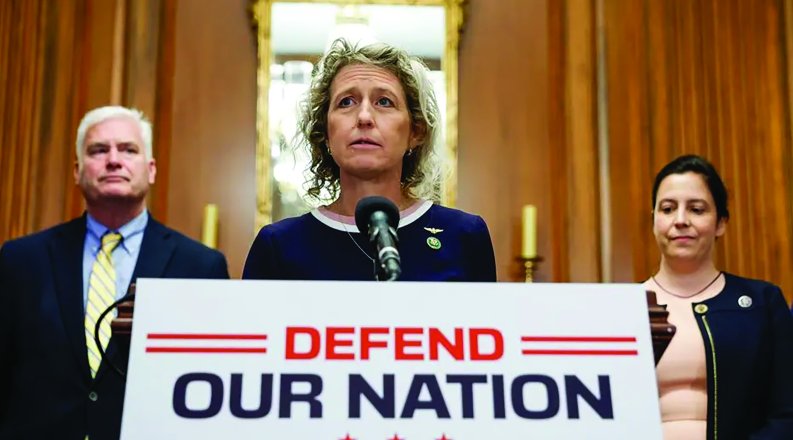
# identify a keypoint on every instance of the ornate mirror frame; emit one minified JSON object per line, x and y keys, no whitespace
{"x":262,"y":14}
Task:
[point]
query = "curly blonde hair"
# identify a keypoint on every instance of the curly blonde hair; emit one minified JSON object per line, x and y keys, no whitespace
{"x":421,"y":168}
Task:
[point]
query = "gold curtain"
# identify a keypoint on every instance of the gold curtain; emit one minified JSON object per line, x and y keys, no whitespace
{"x":39,"y":62}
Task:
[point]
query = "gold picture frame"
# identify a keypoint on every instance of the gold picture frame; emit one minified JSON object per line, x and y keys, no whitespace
{"x":262,"y":15}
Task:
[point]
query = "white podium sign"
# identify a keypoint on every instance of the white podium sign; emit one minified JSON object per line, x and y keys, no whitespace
{"x":271,"y":360}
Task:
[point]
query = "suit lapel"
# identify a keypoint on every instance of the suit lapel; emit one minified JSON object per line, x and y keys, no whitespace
{"x":66,"y":259}
{"x":156,"y":251}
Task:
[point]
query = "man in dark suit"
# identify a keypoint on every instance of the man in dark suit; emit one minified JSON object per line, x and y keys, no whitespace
{"x":53,"y":284}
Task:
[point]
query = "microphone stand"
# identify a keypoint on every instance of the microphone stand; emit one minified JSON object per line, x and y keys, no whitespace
{"x":388,"y":261}
{"x":128,"y":297}
{"x":379,"y":218}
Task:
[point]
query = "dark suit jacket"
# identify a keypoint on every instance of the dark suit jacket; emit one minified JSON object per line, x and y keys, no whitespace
{"x":46,"y":390}
{"x":749,"y":357}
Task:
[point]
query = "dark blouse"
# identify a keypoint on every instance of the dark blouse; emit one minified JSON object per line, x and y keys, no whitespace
{"x":435,"y":244}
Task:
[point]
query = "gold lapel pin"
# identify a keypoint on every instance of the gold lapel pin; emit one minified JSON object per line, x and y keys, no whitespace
{"x":433,"y":230}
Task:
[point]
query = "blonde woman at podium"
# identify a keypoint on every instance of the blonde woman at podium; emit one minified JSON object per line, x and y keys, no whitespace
{"x":370,"y":124}
{"x":728,"y":371}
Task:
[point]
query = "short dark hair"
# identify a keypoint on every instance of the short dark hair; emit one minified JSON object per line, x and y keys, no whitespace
{"x":692,"y":163}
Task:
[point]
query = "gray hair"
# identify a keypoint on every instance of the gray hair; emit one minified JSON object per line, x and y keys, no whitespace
{"x":422,"y":168}
{"x":102,"y":114}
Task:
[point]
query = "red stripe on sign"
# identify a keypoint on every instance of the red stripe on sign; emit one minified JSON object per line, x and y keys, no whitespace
{"x":205,"y":336}
{"x":581,"y":352}
{"x":577,"y":339}
{"x":204,"y":350}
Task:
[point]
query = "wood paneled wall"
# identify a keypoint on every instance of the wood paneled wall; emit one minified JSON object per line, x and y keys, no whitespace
{"x":577,"y":108}
{"x":572,"y":105}
{"x":705,"y":77}
{"x":576,"y":219}
{"x":61,"y":58}
{"x":213,"y":139}
{"x":528,"y":132}
{"x":58,"y":59}
{"x":504,"y":148}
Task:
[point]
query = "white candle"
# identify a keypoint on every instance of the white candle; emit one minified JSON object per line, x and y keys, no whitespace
{"x":529,"y":231}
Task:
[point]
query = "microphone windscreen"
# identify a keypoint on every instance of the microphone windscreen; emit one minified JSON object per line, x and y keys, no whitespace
{"x":368,"y":205}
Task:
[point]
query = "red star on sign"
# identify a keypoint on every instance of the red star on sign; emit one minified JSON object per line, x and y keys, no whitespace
{"x":347,"y":437}
{"x":396,"y":437}
{"x":443,"y":437}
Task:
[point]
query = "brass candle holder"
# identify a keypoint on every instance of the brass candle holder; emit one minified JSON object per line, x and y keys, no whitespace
{"x":530,"y":265}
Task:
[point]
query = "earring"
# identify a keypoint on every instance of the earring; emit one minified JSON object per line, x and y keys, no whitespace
{"x":327,"y":147}
{"x":410,"y":152}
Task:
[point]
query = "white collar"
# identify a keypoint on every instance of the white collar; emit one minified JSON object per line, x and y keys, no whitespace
{"x":347,"y":224}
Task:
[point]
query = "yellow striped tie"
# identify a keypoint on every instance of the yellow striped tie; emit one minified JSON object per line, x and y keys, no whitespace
{"x":101,"y":294}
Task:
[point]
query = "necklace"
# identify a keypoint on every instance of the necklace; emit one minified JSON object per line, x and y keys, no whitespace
{"x":355,"y":242}
{"x":344,"y":226}
{"x":686,"y":296}
{"x":358,"y":245}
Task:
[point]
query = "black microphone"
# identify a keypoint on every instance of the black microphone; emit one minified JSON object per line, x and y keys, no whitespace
{"x":379,"y":218}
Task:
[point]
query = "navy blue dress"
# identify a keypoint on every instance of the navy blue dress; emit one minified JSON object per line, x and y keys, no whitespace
{"x":316,"y":247}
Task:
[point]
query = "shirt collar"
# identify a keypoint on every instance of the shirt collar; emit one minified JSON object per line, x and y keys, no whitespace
{"x":128,"y":230}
